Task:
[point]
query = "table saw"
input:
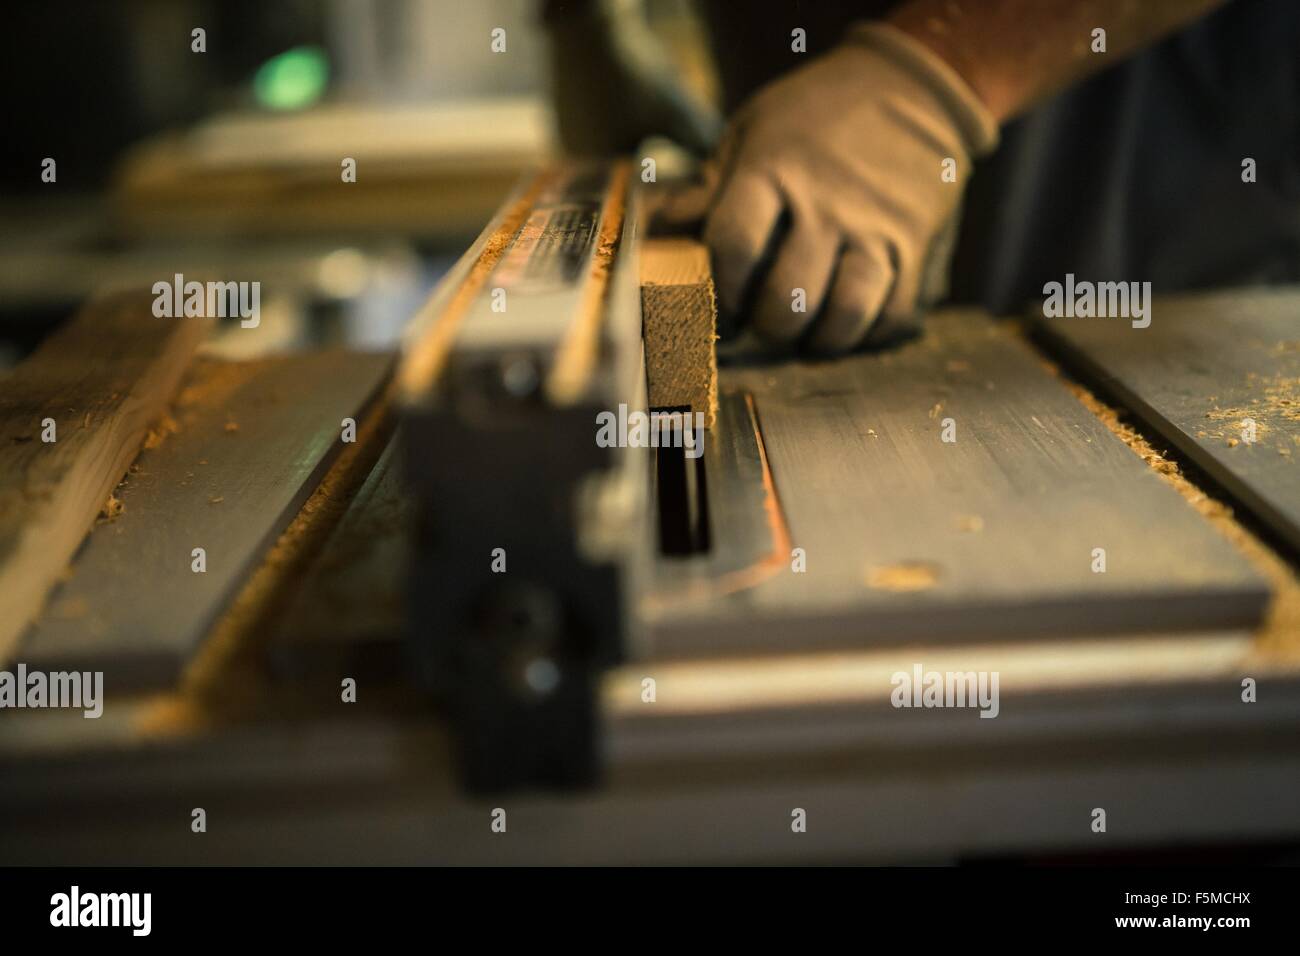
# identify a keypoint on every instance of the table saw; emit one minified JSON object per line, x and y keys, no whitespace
{"x":438,"y":622}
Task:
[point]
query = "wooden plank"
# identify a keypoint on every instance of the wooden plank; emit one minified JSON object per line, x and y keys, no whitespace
{"x":908,"y":537}
{"x":104,"y":378}
{"x":679,"y":316}
{"x":253,"y":439}
{"x":438,"y":171}
{"x":1207,"y":366}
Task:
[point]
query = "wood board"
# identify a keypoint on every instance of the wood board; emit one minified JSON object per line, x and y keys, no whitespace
{"x":251,"y":443}
{"x":907,"y":537}
{"x":1206,"y":365}
{"x":436,"y":171}
{"x":679,"y":323}
{"x":102,"y":380}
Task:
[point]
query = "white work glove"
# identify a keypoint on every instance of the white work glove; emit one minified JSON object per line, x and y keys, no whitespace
{"x":830,"y":180}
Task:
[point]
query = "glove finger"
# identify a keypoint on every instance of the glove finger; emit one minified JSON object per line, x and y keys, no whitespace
{"x":938,"y":263}
{"x":904,"y":299}
{"x":862,"y":282}
{"x":738,"y":231}
{"x":796,"y":284}
{"x":683,"y":208}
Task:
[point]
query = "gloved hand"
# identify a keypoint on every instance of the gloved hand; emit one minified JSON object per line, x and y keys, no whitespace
{"x":831,"y":180}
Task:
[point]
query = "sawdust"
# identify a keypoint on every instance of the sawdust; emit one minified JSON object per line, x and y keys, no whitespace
{"x":1278,"y":407}
{"x":213,"y":382}
{"x":436,"y":328}
{"x":68,"y":609}
{"x":384,"y":518}
{"x":904,"y":576}
{"x":207,"y":382}
{"x":112,"y":509}
{"x":165,"y":426}
{"x":1278,"y":637}
{"x":226,"y":679}
{"x":577,"y":353}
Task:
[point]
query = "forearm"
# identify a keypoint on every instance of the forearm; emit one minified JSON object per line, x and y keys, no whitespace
{"x":1014,"y":53}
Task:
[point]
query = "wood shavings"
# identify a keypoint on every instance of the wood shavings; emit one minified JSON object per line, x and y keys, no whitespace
{"x":905,"y":576}
{"x":156,"y":435}
{"x":112,"y":510}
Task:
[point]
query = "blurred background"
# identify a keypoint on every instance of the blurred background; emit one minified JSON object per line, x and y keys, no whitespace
{"x":227,"y":163}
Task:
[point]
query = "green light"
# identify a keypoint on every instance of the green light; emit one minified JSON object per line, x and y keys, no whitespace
{"x":293,"y":79}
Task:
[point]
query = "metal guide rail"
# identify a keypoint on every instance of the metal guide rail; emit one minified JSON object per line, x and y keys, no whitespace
{"x":519,"y":588}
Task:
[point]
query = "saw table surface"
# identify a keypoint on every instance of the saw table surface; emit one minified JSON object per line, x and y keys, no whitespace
{"x":776,"y":695}
{"x":995,"y":534}
{"x":1218,"y":377}
{"x":906,"y":537}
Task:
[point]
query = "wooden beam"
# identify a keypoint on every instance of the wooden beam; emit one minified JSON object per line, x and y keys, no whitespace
{"x":95,"y":386}
{"x":252,"y":441}
{"x":679,"y":321}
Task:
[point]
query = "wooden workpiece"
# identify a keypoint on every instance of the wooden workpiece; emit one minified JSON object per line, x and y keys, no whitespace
{"x":249,"y":443}
{"x":679,"y":324}
{"x":1217,"y":375}
{"x":103,"y":379}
